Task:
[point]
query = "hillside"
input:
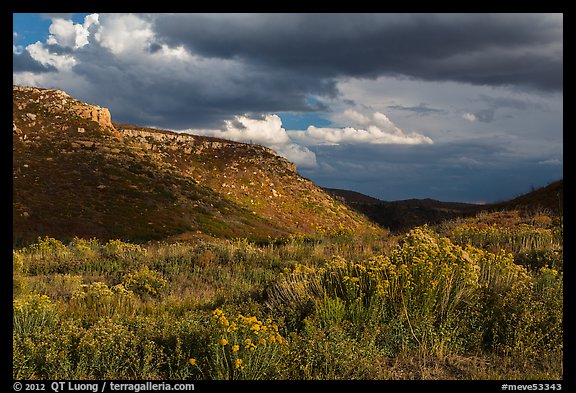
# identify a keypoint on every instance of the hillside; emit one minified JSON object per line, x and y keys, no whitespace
{"x":76,"y":173}
{"x":404,"y":214}
{"x":550,"y":197}
{"x":351,"y":196}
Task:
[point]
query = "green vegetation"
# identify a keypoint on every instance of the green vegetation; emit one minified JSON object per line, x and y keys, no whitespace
{"x":476,"y":298}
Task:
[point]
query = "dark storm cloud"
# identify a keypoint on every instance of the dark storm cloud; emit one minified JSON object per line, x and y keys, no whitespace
{"x":486,"y":49}
{"x":184,"y":98}
{"x":503,"y":103}
{"x":279,"y":61}
{"x":185,"y":95}
{"x":465,"y":171}
{"x":24,"y":62}
{"x":513,"y":103}
{"x":421,"y":109}
{"x":485,"y":115}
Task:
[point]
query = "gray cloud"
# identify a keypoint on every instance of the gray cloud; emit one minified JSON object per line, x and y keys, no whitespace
{"x":501,"y":49}
{"x":421,"y":109}
{"x":485,"y":115}
{"x":500,"y":104}
{"x":465,"y":171}
{"x":512,"y":103}
{"x":22,"y":62}
{"x":182,"y":101}
{"x":270,"y":63}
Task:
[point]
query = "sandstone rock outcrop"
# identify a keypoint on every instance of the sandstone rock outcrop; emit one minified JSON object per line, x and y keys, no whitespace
{"x":95,"y":113}
{"x":61,"y":104}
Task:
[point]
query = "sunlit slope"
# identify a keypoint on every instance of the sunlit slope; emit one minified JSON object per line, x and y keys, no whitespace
{"x":75,"y":173}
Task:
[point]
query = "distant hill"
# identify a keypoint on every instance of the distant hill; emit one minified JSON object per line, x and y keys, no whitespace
{"x":550,"y":197}
{"x":77,"y":173}
{"x":404,"y":214}
{"x":351,"y":196}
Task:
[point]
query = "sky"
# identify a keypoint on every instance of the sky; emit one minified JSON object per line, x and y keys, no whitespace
{"x":453,"y":107}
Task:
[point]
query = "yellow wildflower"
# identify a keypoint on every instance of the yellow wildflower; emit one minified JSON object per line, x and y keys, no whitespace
{"x":239,"y":363}
{"x":223,"y":321}
{"x":554,"y":272}
{"x":235,"y":348}
{"x":223,"y":342}
{"x":192,"y":361}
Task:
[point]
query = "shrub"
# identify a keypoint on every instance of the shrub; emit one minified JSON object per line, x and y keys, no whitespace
{"x":517,"y":238}
{"x":525,"y":319}
{"x":331,"y":352}
{"x":96,"y":300}
{"x":50,"y":353}
{"x":145,"y":282}
{"x":244,"y":347}
{"x":32,"y":313}
{"x":336,"y":310}
{"x":109,"y":350}
{"x":85,"y":249}
{"x":125,"y":251}
{"x":46,"y":256}
{"x":428,"y":295}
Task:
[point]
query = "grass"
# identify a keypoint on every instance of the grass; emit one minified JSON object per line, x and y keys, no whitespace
{"x":433,"y":303}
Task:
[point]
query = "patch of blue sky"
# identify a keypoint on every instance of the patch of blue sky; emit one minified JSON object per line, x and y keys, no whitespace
{"x":301,"y":121}
{"x":29,"y":28}
{"x":32,"y":27}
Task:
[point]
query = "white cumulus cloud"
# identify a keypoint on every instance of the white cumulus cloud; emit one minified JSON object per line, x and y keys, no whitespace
{"x":124,"y":34}
{"x":66,"y":33}
{"x":42,"y":55}
{"x":471,"y":117}
{"x":298,"y":154}
{"x":266,"y":131}
{"x":365,"y":129}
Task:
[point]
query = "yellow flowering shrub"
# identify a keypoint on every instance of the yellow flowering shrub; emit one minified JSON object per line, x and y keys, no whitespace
{"x":518,"y":238}
{"x":122,"y":250}
{"x":17,"y":262}
{"x":45,"y":256}
{"x":85,"y":249}
{"x":110,"y":349}
{"x":32,"y":313}
{"x":526,"y":320}
{"x":145,"y":282}
{"x":97,"y":300}
{"x":245,"y":347}
{"x":430,"y":292}
{"x":47,"y":246}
